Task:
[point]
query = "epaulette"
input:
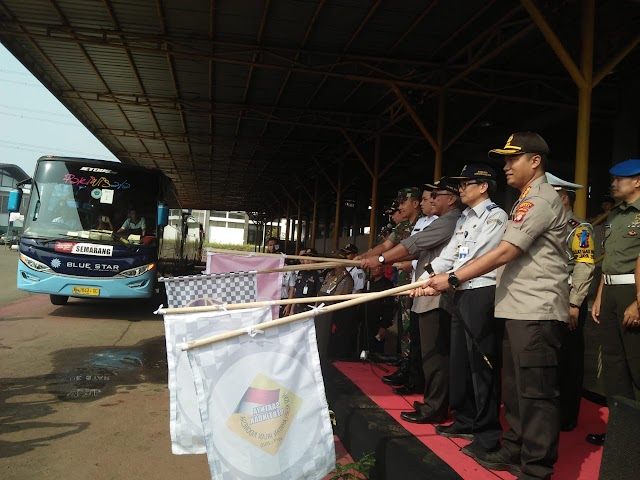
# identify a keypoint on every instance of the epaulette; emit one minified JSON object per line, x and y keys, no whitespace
{"x":573,"y":223}
{"x":492,"y":206}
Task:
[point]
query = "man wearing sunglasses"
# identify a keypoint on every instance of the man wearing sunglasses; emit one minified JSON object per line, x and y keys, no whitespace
{"x":433,"y":318}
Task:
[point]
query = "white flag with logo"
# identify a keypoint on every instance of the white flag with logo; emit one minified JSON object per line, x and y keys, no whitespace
{"x":197,"y":290}
{"x":262,"y":401}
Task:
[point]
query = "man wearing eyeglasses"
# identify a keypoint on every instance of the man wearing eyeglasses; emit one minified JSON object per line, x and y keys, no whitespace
{"x":433,"y":318}
{"x":474,"y":392}
{"x":531,"y":295}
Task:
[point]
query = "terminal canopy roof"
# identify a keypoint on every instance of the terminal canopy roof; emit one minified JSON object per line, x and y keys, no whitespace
{"x":245,"y":102}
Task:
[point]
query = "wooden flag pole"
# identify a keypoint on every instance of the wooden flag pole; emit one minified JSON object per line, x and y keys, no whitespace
{"x":264,"y":303}
{"x":342,"y":261}
{"x":299,"y":316}
{"x":304,"y":266}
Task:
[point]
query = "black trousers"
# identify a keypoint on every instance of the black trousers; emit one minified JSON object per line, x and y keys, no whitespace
{"x":435,"y":338}
{"x":416,"y":376}
{"x":531,"y":393}
{"x":620,"y":345}
{"x":572,"y":370}
{"x":474,"y":387}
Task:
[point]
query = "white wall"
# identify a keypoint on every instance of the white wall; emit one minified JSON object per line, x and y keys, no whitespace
{"x":234,"y":236}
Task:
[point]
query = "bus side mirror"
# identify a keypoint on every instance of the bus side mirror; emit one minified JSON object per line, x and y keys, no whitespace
{"x":15,"y":199}
{"x":163,"y":215}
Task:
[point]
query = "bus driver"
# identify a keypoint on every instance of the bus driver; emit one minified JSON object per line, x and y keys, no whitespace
{"x":134,"y":225}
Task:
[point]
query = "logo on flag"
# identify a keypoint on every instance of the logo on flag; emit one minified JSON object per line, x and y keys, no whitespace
{"x":261,"y":400}
{"x":264,"y":414}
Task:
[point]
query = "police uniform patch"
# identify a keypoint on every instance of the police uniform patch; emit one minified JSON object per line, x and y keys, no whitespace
{"x":573,"y":223}
{"x":524,"y":193}
{"x":584,"y":238}
{"x":492,"y":206}
{"x":523,"y":208}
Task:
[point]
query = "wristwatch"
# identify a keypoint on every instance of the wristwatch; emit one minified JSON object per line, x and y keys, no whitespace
{"x":381,"y":259}
{"x":429,"y":269}
{"x":453,"y":280}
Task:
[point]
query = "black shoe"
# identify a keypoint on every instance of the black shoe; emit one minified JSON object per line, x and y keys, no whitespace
{"x":418,"y":405}
{"x":395,"y":363}
{"x":384,"y":358}
{"x":397,"y":378}
{"x":419,"y":417}
{"x":474,"y":450}
{"x":455,"y":430}
{"x":496,"y":460}
{"x":596,"y":439}
{"x":408,"y":389}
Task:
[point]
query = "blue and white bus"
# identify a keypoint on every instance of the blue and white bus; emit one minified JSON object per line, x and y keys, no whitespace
{"x":71,"y":245}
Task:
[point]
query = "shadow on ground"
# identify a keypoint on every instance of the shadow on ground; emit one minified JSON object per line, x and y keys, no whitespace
{"x":79,"y":375}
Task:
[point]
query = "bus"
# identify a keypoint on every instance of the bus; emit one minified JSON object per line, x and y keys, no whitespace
{"x":73,"y":245}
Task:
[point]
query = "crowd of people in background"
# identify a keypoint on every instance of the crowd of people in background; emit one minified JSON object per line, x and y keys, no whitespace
{"x":501,"y":318}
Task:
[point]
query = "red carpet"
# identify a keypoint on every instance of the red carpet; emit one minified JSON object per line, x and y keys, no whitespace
{"x":577,"y":458}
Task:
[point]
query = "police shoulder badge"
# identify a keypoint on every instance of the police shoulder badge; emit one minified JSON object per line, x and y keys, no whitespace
{"x":525,"y":192}
{"x":522,"y":210}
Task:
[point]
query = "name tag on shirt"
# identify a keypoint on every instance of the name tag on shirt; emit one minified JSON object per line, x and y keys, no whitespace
{"x":463,"y":252}
{"x":305,"y":290}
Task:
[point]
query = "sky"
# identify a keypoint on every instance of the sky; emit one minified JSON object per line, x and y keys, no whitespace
{"x":34,"y":123}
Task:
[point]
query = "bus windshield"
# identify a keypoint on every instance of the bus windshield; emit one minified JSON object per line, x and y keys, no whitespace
{"x":72,"y":197}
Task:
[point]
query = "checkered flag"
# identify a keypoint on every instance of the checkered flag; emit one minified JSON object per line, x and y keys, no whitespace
{"x":211,"y":289}
{"x":197,"y":290}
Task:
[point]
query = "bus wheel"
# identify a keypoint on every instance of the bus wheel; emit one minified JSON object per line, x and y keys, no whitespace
{"x":59,"y":299}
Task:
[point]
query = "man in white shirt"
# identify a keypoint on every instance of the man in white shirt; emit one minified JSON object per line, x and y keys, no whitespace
{"x":474,"y":387}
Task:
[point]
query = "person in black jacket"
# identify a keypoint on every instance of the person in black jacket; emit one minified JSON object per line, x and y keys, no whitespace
{"x":307,"y":283}
{"x":376,"y":315}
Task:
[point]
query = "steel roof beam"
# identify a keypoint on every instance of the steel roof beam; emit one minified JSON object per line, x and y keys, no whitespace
{"x":271,"y":66}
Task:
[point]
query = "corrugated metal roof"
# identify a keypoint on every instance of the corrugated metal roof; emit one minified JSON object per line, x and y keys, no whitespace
{"x":238,"y":100}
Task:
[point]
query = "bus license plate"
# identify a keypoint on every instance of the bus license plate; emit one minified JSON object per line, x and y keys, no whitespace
{"x":91,"y":291}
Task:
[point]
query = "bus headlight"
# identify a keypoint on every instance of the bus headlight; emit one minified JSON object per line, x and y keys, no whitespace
{"x":136,"y":272}
{"x":34,"y":264}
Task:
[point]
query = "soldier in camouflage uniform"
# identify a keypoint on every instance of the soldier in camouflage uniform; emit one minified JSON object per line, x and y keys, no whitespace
{"x":408,"y":205}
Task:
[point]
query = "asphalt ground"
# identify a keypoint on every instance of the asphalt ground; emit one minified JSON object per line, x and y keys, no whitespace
{"x":83,"y":389}
{"x":8,"y":268}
